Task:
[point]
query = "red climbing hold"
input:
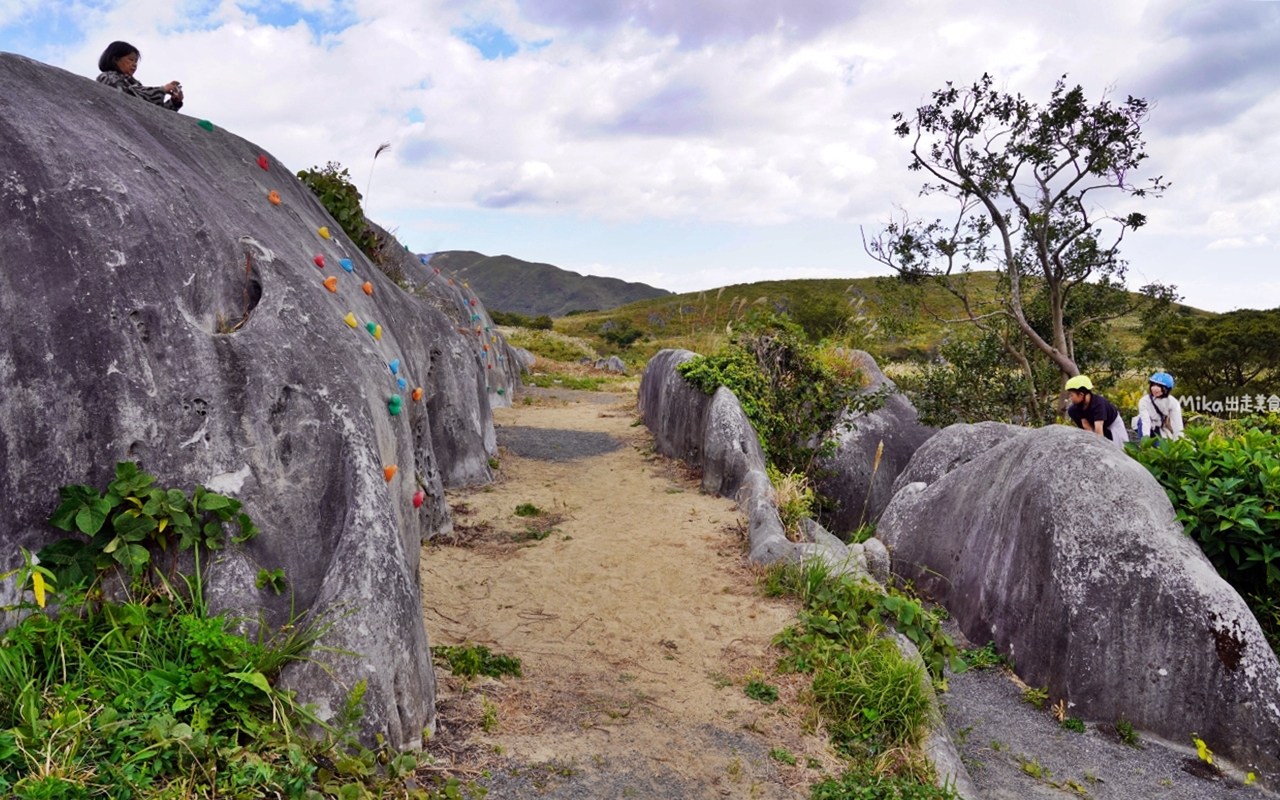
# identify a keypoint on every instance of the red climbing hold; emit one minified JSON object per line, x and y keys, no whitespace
{"x":262,"y":162}
{"x":319,"y":261}
{"x":331,"y":283}
{"x":418,"y":497}
{"x":368,"y":288}
{"x":473,"y":302}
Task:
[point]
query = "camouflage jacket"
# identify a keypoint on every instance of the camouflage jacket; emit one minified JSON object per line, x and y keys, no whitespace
{"x":130,"y":85}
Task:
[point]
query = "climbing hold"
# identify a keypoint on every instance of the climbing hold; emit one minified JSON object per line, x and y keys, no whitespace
{"x":493,"y":339}
{"x":331,"y":283}
{"x":418,"y":497}
{"x":473,"y":302}
{"x":368,"y":288}
{"x":490,"y":366}
{"x":319,"y":261}
{"x":206,"y":124}
{"x":417,"y":394}
{"x":346,"y":264}
{"x":395,"y":366}
{"x":486,"y":348}
{"x":371,"y":327}
{"x":488,"y":388}
{"x":451,"y":281}
{"x":393,"y":405}
{"x":389,"y":472}
{"x":437,"y":272}
{"x":466,"y":285}
{"x":324,"y":232}
{"x":401,"y":383}
{"x":502,"y":391}
{"x":274,"y":197}
{"x":350,"y":319}
{"x":377,"y":333}
{"x":262,"y":162}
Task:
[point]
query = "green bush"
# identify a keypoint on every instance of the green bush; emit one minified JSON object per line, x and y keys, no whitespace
{"x":1226,"y":492}
{"x":791,"y":397}
{"x":517,"y":320}
{"x":471,"y":660}
{"x":332,"y":185}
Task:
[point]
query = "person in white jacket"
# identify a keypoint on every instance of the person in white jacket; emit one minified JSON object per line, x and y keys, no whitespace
{"x":1159,"y":414}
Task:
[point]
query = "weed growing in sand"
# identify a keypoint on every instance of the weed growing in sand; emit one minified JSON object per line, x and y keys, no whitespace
{"x":488,"y":715}
{"x":985,"y":658}
{"x":1073,"y":724}
{"x":1036,"y":697}
{"x":471,"y":660}
{"x":778,"y":754}
{"x":719,"y":680}
{"x":1034,"y":768}
{"x":528,"y":510}
{"x":761,"y":691}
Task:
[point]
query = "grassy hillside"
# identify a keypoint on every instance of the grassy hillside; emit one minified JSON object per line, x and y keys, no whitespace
{"x":505,"y":283}
{"x":895,"y":322}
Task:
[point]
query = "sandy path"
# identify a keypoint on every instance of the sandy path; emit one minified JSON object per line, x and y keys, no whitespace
{"x":631,"y":618}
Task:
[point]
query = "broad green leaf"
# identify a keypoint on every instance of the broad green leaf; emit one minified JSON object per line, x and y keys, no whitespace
{"x":253,"y":678}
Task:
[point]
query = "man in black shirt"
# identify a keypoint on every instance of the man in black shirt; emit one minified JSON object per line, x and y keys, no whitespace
{"x":1093,"y":412}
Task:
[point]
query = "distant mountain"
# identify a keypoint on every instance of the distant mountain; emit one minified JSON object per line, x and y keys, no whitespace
{"x":509,"y":284}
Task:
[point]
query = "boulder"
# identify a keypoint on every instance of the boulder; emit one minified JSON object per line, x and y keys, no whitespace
{"x":1066,"y":553}
{"x":952,"y":447}
{"x":672,"y":408}
{"x":614,"y":364}
{"x":527,"y":359}
{"x":730,"y":446}
{"x":159,"y":309}
{"x":859,"y":482}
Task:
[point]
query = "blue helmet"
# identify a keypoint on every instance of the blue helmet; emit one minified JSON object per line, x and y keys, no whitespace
{"x":1163,"y":379}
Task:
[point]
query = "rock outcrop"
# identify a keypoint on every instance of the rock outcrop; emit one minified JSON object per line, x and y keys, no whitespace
{"x":860,"y":482}
{"x":953,"y":447}
{"x":1066,"y":553}
{"x":159,"y":308}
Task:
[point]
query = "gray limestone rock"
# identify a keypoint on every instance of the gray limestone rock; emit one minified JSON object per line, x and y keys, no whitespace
{"x":1066,"y":553}
{"x":158,"y":308}
{"x":878,"y":562}
{"x":952,"y":447}
{"x":730,"y":446}
{"x":526,"y":358}
{"x":614,"y":364}
{"x":860,"y":486}
{"x":672,"y":408}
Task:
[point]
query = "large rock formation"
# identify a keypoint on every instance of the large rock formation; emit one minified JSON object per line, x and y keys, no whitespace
{"x":158,"y":308}
{"x":860,"y":482}
{"x":1065,"y":552}
{"x":952,"y":448}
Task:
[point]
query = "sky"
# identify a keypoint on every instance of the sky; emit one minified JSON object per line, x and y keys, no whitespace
{"x":691,"y":144}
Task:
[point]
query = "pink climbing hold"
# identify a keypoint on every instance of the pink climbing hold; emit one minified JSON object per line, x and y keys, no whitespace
{"x":262,"y":162}
{"x":331,"y":283}
{"x":319,"y":261}
{"x":418,"y":497}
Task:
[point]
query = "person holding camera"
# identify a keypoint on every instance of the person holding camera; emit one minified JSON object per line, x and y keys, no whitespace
{"x":118,"y":63}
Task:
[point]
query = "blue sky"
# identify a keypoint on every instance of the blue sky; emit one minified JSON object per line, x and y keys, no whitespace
{"x":695,"y":143}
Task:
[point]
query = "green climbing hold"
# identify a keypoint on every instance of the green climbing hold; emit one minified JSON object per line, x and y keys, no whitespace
{"x":371,"y":327}
{"x":206,"y":124}
{"x":502,"y":391}
{"x":393,"y":405}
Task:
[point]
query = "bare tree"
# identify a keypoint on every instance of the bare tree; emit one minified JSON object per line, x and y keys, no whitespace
{"x":1029,"y":185}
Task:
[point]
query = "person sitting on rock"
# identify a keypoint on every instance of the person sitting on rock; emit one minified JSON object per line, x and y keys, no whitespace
{"x":1093,"y":412}
{"x":118,"y":63}
{"x":1159,"y":414}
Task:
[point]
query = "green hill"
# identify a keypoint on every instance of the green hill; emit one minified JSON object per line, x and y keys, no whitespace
{"x":505,"y":283}
{"x":893,"y":321}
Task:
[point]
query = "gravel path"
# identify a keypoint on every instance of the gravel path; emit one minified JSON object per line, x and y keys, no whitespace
{"x":551,"y":444}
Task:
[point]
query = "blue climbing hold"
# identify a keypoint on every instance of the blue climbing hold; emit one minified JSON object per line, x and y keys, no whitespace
{"x":401,"y":383}
{"x":347,"y":265}
{"x":395,"y":366}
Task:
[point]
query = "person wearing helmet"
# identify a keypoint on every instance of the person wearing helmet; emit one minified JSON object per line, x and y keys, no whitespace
{"x":1093,"y":412}
{"x":1159,"y":414}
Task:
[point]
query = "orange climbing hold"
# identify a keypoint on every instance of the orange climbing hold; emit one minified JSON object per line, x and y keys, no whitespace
{"x":417,"y":394}
{"x":319,"y":261}
{"x":324,"y":232}
{"x":350,"y":319}
{"x":274,"y":197}
{"x":331,"y":283}
{"x":368,"y":288}
{"x":389,"y":472}
{"x":486,"y":348}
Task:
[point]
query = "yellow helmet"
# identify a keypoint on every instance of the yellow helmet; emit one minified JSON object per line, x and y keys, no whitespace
{"x":1080,"y":383}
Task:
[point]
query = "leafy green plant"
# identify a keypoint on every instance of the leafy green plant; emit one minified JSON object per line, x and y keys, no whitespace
{"x":528,"y":510}
{"x":761,"y":692}
{"x":862,"y":782}
{"x":553,"y":380}
{"x":791,"y":397}
{"x":272,"y":579}
{"x":985,"y":658}
{"x":332,"y":185}
{"x":129,"y":518}
{"x":622,"y":334}
{"x":1035,"y":697}
{"x":472,"y":660}
{"x":779,"y":754}
{"x":517,"y":320}
{"x":1124,"y":729}
{"x":1226,"y":492}
{"x":1073,"y":724}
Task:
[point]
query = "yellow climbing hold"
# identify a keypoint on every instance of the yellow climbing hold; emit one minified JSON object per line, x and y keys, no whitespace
{"x":324,"y":232}
{"x":389,"y":472}
{"x":331,"y":283}
{"x":377,"y":333}
{"x":350,"y":319}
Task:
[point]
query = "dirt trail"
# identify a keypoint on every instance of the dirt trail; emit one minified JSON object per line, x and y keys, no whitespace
{"x":636,"y":618}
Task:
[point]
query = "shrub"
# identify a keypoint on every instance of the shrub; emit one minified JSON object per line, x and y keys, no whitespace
{"x":471,"y":660}
{"x":332,"y":185}
{"x":792,"y":399}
